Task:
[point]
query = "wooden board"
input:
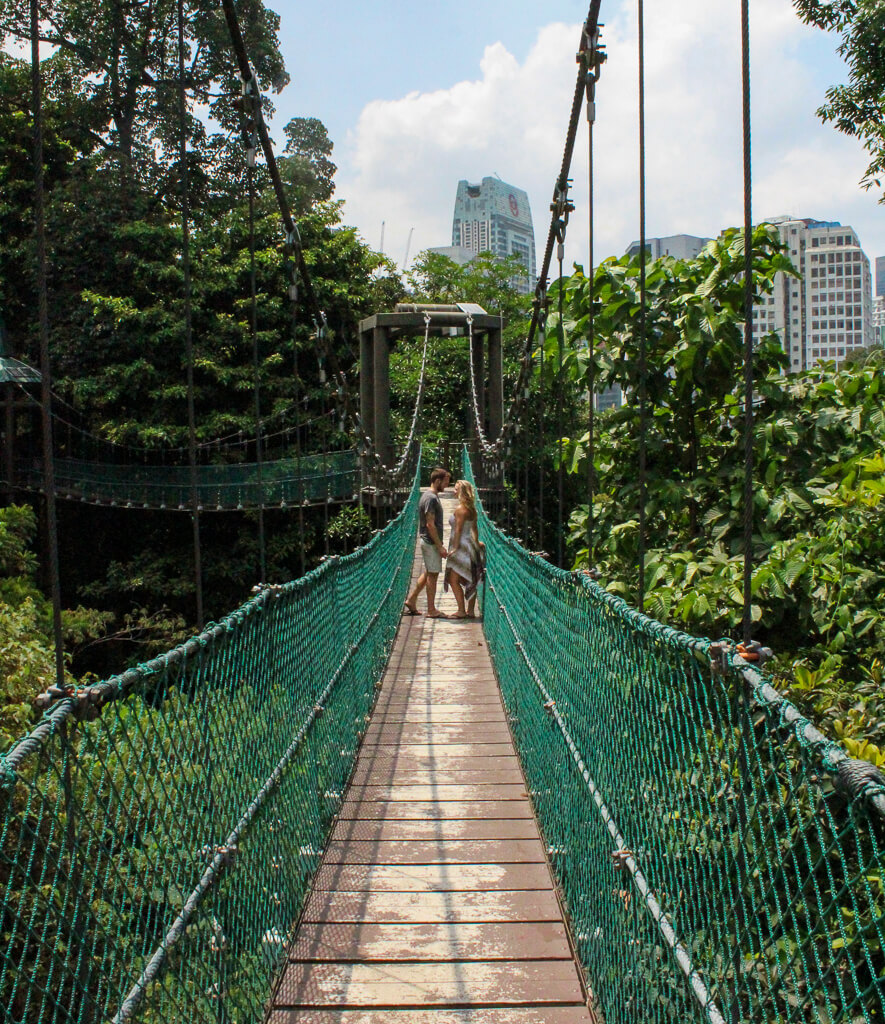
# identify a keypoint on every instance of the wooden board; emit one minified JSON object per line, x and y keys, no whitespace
{"x":431,"y":877}
{"x":456,"y":810}
{"x":454,"y":984}
{"x":430,"y":907}
{"x":431,"y":942}
{"x":466,"y":1015}
{"x":440,"y":828}
{"x":437,"y":851}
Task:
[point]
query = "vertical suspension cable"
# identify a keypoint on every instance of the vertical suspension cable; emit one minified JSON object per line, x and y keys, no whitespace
{"x":542,"y":338}
{"x":591,"y":355}
{"x":642,"y":297}
{"x":594,"y":56}
{"x":256,"y":364}
{"x":292,"y":274}
{"x":43,"y":321}
{"x":188,"y":319}
{"x":560,"y":424}
{"x":747,"y":623}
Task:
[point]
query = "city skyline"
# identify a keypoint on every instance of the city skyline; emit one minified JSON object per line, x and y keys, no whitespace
{"x":407,"y":121}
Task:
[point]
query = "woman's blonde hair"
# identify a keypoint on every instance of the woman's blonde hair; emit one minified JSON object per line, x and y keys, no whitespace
{"x":468,"y":497}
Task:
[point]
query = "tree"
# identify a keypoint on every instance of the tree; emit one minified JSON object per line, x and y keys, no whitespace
{"x":306,"y":165}
{"x":119,"y":61}
{"x":857,"y":108}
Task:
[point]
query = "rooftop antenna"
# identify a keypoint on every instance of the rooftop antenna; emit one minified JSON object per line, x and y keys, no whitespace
{"x":408,"y":246}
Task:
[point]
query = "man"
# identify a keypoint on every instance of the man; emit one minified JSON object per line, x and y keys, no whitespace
{"x":430,"y":528}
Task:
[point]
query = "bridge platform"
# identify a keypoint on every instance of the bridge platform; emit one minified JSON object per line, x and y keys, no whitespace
{"x":434,"y":903}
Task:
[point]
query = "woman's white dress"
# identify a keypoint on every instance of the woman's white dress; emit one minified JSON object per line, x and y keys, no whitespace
{"x":460,"y":561}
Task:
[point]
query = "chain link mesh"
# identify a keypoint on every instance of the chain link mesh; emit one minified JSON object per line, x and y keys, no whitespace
{"x":154,"y":860}
{"x":720,"y":859}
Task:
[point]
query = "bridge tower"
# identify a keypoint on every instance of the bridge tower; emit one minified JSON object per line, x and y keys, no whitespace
{"x":380,"y":331}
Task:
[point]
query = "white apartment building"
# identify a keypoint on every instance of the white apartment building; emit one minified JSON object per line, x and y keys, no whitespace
{"x":879,"y":320}
{"x":828,"y":310}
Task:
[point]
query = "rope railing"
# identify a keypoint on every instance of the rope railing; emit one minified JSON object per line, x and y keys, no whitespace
{"x":160,"y":829}
{"x":332,"y":476}
{"x":721,"y":860}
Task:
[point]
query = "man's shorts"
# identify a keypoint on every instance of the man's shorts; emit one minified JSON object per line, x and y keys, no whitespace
{"x":432,"y":558}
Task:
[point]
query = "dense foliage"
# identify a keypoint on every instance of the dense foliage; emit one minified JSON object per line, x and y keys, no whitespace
{"x":818,"y":490}
{"x":856,"y":108}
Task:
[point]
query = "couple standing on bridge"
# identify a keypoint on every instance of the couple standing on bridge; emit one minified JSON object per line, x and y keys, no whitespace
{"x":465,"y":554}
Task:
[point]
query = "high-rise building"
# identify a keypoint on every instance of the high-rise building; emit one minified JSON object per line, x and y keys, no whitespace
{"x":880,"y":275}
{"x":879,"y":320}
{"x":495,"y":217}
{"x":682,"y":247}
{"x":828,"y":309}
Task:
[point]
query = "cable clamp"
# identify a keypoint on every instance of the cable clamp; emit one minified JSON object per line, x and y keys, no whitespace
{"x":719,"y":654}
{"x":755,"y":652}
{"x":318,"y":710}
{"x":620,"y":859}
{"x":550,"y":707}
{"x":228,"y":854}
{"x":51,"y":694}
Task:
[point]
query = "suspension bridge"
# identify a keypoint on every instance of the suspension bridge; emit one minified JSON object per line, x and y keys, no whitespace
{"x":315,"y":811}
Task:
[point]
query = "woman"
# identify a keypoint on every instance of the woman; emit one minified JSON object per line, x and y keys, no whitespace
{"x":463,"y":549}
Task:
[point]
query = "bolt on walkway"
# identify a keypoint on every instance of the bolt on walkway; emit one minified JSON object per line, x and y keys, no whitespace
{"x":434,"y":903}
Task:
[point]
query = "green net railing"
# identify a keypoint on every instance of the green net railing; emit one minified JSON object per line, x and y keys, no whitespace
{"x":160,"y":829}
{"x":721,"y":860}
{"x":291,"y":481}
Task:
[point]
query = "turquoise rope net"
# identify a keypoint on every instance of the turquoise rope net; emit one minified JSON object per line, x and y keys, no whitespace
{"x":160,"y":830}
{"x":290,"y":481}
{"x":720,"y":859}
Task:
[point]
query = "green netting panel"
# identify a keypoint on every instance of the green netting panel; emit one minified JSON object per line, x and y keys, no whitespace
{"x":334,"y":475}
{"x":160,"y":829}
{"x":721,"y":860}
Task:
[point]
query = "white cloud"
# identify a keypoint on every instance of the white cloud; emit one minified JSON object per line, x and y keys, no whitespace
{"x":402,"y":162}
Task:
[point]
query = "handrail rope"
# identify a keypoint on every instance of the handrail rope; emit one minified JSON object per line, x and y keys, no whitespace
{"x":560,"y":198}
{"x":662,"y":920}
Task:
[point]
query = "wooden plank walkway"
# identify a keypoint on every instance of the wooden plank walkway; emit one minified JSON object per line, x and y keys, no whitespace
{"x":434,"y":903}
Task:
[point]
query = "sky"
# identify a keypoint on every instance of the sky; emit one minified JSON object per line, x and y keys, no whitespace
{"x":417,"y":96}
